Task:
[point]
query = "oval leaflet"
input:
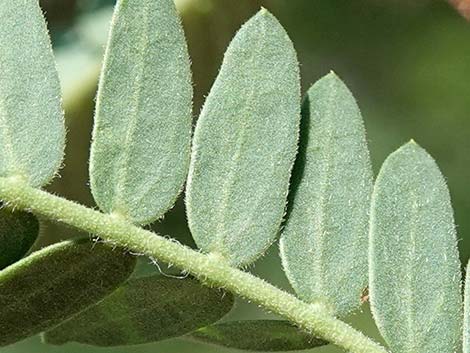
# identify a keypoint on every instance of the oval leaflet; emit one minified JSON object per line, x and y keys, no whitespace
{"x":55,"y":283}
{"x":245,"y":144}
{"x":141,"y":137}
{"x":415,"y":278}
{"x":325,"y":240}
{"x":32,"y":131}
{"x":145,"y":310}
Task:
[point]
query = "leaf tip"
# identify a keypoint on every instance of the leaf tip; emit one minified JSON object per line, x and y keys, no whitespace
{"x":264,"y":11}
{"x":332,"y":74}
{"x":329,"y":80}
{"x":412,"y":145}
{"x":332,"y":77}
{"x":412,"y":152}
{"x":265,"y":15}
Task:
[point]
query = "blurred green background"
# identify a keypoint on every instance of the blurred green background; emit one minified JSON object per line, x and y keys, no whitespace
{"x":407,"y":62}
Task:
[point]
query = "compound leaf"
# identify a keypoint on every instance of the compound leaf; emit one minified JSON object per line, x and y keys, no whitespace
{"x":145,"y":310}
{"x":245,"y":144}
{"x":32,"y":131}
{"x":258,"y":335}
{"x":415,"y":276}
{"x":325,"y":241}
{"x":55,"y":283}
{"x":141,"y":139}
{"x":18,"y":232}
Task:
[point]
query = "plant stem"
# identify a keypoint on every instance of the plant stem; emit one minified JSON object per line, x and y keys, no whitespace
{"x":210,"y":269}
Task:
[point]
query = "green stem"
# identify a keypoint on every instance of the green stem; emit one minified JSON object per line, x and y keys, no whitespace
{"x":208,"y":268}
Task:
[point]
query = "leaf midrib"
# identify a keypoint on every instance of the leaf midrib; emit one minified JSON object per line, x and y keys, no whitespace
{"x":411,"y":334}
{"x":228,"y":185}
{"x":318,"y":223}
{"x":119,"y":201}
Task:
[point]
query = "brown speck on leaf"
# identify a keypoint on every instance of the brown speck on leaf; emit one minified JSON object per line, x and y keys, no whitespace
{"x":462,"y":6}
{"x":365,"y":295}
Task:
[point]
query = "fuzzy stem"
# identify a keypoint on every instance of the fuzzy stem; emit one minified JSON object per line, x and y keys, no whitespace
{"x":207,"y":268}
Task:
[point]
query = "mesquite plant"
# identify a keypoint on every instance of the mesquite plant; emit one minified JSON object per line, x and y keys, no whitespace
{"x":261,"y":163}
